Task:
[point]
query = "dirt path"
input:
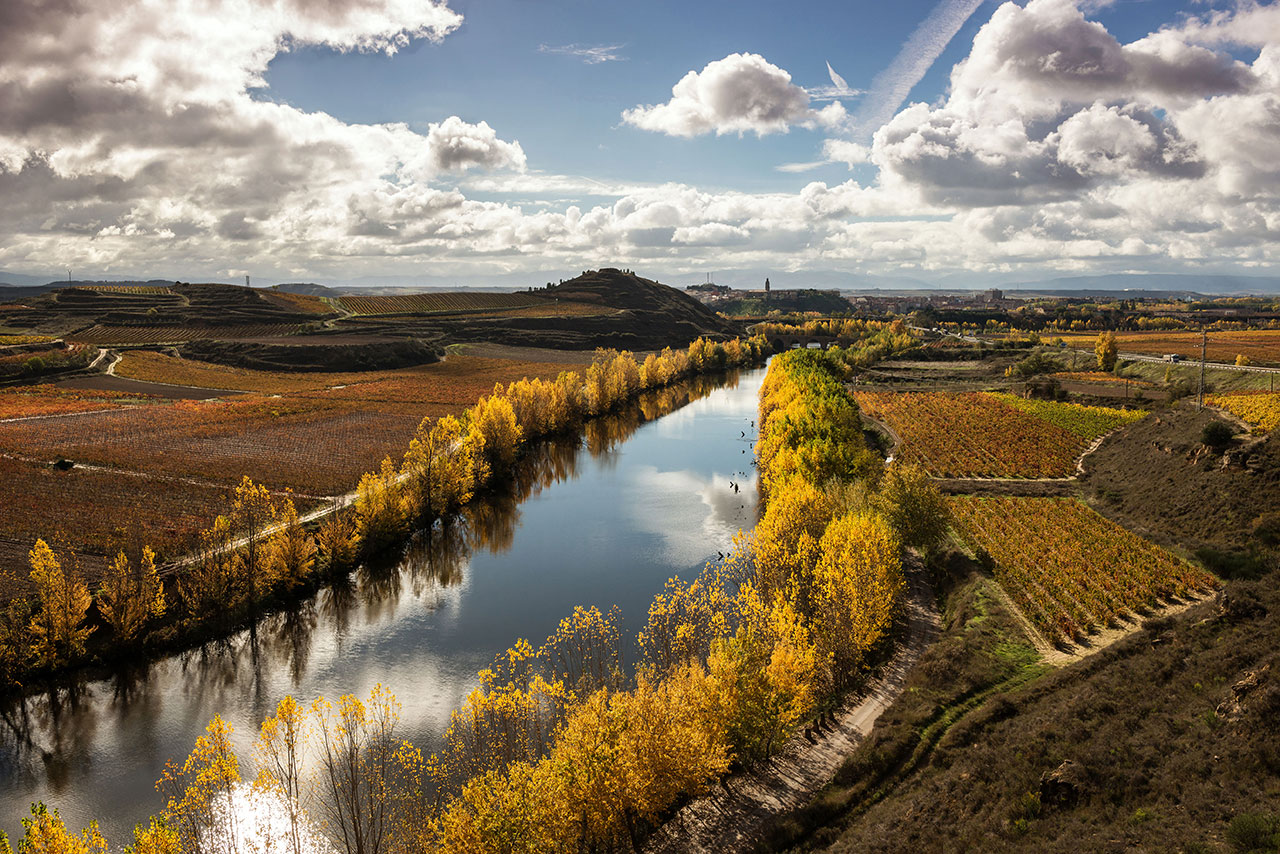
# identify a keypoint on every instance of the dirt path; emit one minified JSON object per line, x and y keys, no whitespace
{"x":735,"y":817}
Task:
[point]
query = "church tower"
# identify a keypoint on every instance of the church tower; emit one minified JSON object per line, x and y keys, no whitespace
{"x":766,"y":289}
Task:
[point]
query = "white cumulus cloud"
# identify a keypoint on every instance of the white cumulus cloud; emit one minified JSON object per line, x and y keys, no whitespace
{"x":742,"y":93}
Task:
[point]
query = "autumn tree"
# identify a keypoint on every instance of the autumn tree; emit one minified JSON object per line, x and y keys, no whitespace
{"x":57,"y":627}
{"x":279,"y":753}
{"x":380,"y":511}
{"x":45,"y":833}
{"x":212,"y":583}
{"x":15,"y":641}
{"x":155,"y":837}
{"x":251,"y":513}
{"x":361,"y":768}
{"x":858,"y":583}
{"x":1107,"y":350}
{"x":291,"y":551}
{"x":494,"y":418}
{"x":911,"y":503}
{"x":441,"y":465}
{"x":199,"y":793}
{"x":336,"y":542}
{"x":131,"y":593}
{"x":767,"y":676}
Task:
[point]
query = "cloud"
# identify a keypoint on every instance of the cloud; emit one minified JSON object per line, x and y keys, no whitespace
{"x":139,"y":119}
{"x":134,"y":139}
{"x":839,"y":88}
{"x":738,"y":94}
{"x":892,"y":86}
{"x":455,"y":146}
{"x":843,"y":151}
{"x":590,"y":54}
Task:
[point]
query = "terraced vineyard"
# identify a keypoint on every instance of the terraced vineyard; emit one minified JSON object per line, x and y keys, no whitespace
{"x":1100,"y":377}
{"x":125,"y":335}
{"x":1087,"y":422}
{"x":1260,"y":408}
{"x":436,"y":302}
{"x":987,"y":435}
{"x":131,"y":290}
{"x":1068,"y":569}
{"x":1260,"y":345}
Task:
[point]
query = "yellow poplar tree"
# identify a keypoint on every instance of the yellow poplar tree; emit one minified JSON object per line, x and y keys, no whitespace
{"x":859,"y":582}
{"x":46,"y":834}
{"x":131,"y":594}
{"x":1107,"y":350}
{"x":57,"y":627}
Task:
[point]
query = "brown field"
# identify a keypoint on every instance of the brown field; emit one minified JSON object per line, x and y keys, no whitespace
{"x":453,"y":379}
{"x":549,"y":309}
{"x":94,"y":504}
{"x":305,"y":303}
{"x":317,"y":441}
{"x":436,"y":302}
{"x":1261,"y":345}
{"x":106,"y":335}
{"x":37,"y":400}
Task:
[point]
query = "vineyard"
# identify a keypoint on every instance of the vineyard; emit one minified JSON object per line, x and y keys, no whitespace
{"x":1260,"y":345}
{"x":986,"y":435}
{"x":1087,"y":422}
{"x":29,"y":401}
{"x":1099,"y":377}
{"x":435,"y":302}
{"x":1259,"y":408}
{"x":458,"y":379}
{"x":15,"y":340}
{"x":125,"y":335}
{"x":313,"y":446}
{"x":315,"y":440}
{"x":1068,"y":569}
{"x":131,"y":290}
{"x":95,"y":504}
{"x":305,"y":303}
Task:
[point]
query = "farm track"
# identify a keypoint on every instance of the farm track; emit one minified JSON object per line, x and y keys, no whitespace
{"x":737,"y":815}
{"x":161,"y":478}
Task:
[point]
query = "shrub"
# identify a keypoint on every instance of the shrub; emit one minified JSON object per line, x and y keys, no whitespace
{"x":1254,"y":832}
{"x":1217,"y":435}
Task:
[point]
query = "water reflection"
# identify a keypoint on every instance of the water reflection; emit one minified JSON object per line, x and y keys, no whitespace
{"x":597,"y":520}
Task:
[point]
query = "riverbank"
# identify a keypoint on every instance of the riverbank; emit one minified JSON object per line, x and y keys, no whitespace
{"x":606,"y":521}
{"x":219,"y":586}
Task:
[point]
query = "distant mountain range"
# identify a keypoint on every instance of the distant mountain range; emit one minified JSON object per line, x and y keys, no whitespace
{"x":749,"y":279}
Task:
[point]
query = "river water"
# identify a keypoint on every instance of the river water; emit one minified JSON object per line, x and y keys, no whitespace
{"x":602,"y":521}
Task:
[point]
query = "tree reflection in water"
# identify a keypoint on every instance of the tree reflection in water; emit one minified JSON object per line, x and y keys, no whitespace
{"x":47,"y":736}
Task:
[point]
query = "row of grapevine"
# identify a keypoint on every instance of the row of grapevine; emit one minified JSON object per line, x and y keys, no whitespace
{"x":1068,"y":569}
{"x":161,"y":334}
{"x":1259,"y":408}
{"x":436,"y":302}
{"x":990,"y":435}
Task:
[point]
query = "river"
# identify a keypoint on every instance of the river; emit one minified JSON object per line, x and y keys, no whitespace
{"x":602,"y":521}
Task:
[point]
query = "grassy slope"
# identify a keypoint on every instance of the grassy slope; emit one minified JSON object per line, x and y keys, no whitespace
{"x":956,"y":764}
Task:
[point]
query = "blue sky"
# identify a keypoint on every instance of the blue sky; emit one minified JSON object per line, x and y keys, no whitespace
{"x":339,"y":140}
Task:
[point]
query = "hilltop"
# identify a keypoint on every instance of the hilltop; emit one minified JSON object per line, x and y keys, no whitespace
{"x":600,"y":308}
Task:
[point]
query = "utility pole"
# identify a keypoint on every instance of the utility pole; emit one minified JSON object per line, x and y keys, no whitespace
{"x":1204,"y":347}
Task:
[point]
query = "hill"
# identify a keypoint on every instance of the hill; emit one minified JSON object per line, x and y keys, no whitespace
{"x":600,"y":308}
